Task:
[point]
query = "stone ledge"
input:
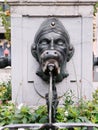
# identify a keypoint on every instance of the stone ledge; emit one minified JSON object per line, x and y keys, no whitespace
{"x":52,"y":2}
{"x":44,"y":11}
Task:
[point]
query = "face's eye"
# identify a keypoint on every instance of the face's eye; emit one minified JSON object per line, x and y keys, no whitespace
{"x":60,"y":42}
{"x":43,"y":42}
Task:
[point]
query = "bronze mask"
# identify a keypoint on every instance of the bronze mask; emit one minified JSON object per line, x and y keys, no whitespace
{"x":52,"y":48}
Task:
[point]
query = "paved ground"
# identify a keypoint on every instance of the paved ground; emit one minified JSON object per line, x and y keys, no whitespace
{"x":5,"y":74}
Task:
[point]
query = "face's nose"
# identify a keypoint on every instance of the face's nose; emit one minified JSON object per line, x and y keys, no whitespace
{"x":52,"y":44}
{"x":50,"y":54}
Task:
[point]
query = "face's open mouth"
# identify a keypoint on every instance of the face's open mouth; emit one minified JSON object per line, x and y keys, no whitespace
{"x":51,"y":65}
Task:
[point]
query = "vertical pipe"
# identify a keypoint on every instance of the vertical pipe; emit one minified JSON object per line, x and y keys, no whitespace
{"x":50,"y":98}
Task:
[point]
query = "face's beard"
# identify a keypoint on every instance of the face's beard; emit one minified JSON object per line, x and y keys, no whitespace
{"x":51,"y":65}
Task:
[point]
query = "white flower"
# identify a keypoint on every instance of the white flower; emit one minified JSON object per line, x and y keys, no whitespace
{"x":20,"y":106}
{"x":66,"y":113}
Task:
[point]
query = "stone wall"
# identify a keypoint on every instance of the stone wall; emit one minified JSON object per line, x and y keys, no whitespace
{"x":26,"y":17}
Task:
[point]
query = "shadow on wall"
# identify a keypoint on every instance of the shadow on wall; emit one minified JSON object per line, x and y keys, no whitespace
{"x":95,"y":60}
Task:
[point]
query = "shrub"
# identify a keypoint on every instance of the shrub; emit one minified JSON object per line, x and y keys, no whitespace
{"x":5,"y":16}
{"x":5,"y":92}
{"x":84,"y":111}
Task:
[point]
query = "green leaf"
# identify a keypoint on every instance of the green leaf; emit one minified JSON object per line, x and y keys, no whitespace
{"x":24,"y":120}
{"x":43,"y":119}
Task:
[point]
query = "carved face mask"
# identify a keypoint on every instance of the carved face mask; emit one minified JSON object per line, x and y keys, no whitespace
{"x":52,"y":48}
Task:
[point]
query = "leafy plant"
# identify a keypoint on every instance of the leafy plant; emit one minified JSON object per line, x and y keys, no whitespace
{"x":40,"y":115}
{"x":68,"y":99}
{"x":95,"y":8}
{"x":5,"y":16}
{"x":6,"y":113}
{"x":5,"y":92}
{"x":23,"y":115}
{"x":95,"y":96}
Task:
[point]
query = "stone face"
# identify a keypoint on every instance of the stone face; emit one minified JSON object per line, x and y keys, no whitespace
{"x":26,"y":17}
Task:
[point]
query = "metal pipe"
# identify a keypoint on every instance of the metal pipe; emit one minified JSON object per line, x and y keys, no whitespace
{"x":50,"y":98}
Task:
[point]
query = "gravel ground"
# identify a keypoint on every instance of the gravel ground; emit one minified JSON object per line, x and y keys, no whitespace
{"x":5,"y":74}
